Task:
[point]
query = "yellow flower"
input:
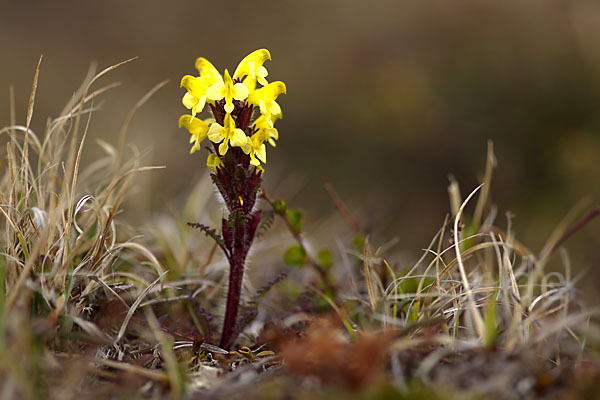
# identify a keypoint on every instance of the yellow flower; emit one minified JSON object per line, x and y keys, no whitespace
{"x":207,"y":70}
{"x":195,"y":98}
{"x":226,"y":89}
{"x":227,"y":135}
{"x":264,"y":124}
{"x":265,"y":97}
{"x":252,"y":66}
{"x":198,"y":129}
{"x":214,"y":162}
{"x":256,"y":149}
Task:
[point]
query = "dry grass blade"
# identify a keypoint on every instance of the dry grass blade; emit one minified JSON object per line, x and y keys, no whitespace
{"x":454,"y":195}
{"x":30,"y":104}
{"x":487,"y":184}
{"x":58,"y":249}
{"x":134,"y":307}
{"x":76,"y":169}
{"x":71,"y":163}
{"x":11,"y":100}
{"x":144,"y":251}
{"x":477,"y":319}
{"x":136,"y":107}
{"x":176,"y":380}
{"x":33,"y":92}
{"x":372,"y":288}
{"x":92,"y":330}
{"x":134,"y":369}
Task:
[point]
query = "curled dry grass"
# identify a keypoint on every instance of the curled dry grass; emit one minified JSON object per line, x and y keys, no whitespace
{"x":478,"y":315}
{"x":62,"y":254}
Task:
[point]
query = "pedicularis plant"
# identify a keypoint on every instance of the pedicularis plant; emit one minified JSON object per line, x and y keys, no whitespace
{"x":243,"y":117}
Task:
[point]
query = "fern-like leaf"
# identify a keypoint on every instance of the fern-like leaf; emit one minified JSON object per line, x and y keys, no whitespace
{"x":210,"y":232}
{"x":266,"y":221}
{"x":262,"y":292}
{"x":249,"y":312}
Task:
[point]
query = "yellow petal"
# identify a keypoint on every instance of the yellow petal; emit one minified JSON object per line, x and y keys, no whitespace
{"x":223,"y":147}
{"x":187,"y":81}
{"x":240,"y":92}
{"x":189,"y":101}
{"x":206,"y":69}
{"x":229,"y":124}
{"x":262,"y":107}
{"x":250,"y":84}
{"x":257,"y":57}
{"x":267,"y":93}
{"x":262,"y":122}
{"x":261,"y":74}
{"x":214,"y":162}
{"x":239,"y":138}
{"x":259,"y":137}
{"x":195,"y":86}
{"x":228,"y":92}
{"x":215,"y":133}
{"x":195,"y":147}
{"x":199,"y":105}
{"x":195,"y":126}
{"x":227,"y":78}
{"x":215,"y":92}
{"x":273,"y":133}
{"x":275,"y":110}
{"x":247,"y":147}
{"x":262,"y":153}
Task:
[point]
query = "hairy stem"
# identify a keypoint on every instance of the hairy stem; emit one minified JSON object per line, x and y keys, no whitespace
{"x":238,"y":184}
{"x":236,"y":275}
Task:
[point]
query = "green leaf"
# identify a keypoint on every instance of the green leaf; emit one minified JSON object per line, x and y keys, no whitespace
{"x":291,"y":289}
{"x":491,"y":322}
{"x":470,"y":229}
{"x":411,"y":285}
{"x":295,"y":255}
{"x":325,"y":258}
{"x":280,"y":206}
{"x":296,"y":219}
{"x":359,"y":242}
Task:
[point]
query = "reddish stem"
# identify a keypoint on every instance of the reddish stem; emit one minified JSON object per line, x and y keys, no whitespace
{"x":236,"y":275}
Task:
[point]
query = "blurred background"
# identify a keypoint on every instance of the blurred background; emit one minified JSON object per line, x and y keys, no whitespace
{"x":385,"y":99}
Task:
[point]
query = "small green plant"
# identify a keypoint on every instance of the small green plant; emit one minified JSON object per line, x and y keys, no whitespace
{"x":238,"y":147}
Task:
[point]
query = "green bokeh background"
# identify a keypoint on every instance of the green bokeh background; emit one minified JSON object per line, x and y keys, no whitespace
{"x":385,"y":98}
